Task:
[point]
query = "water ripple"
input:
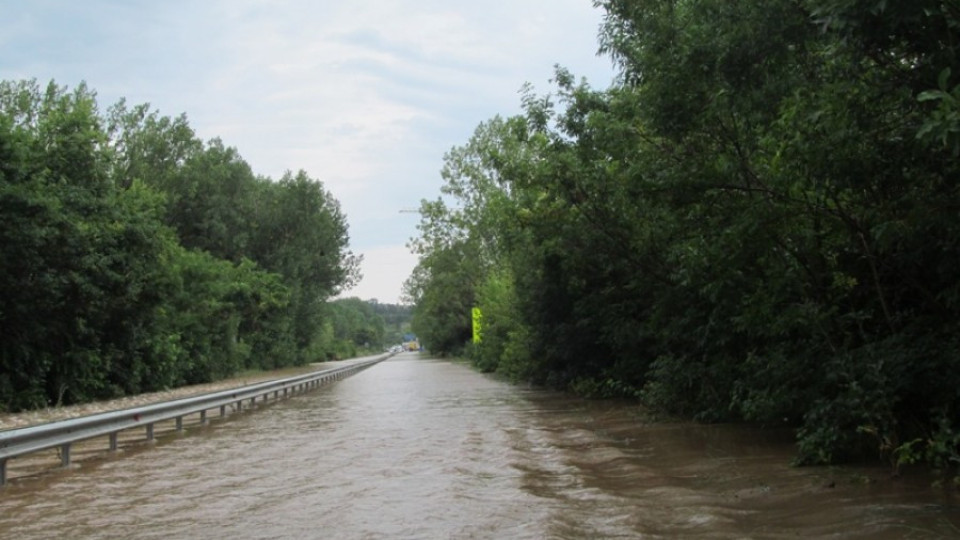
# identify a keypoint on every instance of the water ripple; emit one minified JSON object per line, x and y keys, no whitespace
{"x":418,"y":448}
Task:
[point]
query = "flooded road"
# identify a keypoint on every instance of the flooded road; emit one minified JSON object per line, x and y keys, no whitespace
{"x":421,"y":448}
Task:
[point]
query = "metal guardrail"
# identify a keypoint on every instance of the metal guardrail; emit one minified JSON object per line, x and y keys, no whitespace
{"x":62,"y":434}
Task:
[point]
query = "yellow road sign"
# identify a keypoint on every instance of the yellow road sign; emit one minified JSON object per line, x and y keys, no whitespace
{"x":477,"y":324}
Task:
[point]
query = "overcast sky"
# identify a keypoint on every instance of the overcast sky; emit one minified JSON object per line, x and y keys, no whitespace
{"x":364,"y":95}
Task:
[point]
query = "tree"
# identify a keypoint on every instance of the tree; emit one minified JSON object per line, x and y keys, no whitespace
{"x":79,"y":256}
{"x":134,"y":257}
{"x":442,"y":288}
{"x":292,"y":227}
{"x":356,"y":327}
{"x":301,"y":234}
{"x":755,"y":223}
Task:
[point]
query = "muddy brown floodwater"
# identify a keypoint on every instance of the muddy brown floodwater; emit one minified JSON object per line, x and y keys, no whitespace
{"x":421,"y":448}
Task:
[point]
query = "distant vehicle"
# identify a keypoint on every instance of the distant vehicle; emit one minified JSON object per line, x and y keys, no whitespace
{"x":410,"y":342}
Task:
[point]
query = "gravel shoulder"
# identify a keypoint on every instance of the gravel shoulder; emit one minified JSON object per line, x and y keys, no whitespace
{"x":51,"y":414}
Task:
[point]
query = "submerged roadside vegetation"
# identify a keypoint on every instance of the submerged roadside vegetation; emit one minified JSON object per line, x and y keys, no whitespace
{"x":758,"y":221}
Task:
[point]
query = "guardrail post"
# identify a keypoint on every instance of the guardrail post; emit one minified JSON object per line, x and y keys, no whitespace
{"x":65,"y":455}
{"x":62,"y":434}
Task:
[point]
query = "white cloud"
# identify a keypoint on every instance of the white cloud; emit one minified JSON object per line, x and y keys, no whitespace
{"x":365,"y":95}
{"x":384,"y":268}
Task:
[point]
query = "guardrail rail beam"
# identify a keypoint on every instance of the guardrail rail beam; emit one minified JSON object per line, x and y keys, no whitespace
{"x":62,"y":434}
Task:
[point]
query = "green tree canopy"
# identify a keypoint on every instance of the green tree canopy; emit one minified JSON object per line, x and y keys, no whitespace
{"x":136,"y":257}
{"x":756,"y":222}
